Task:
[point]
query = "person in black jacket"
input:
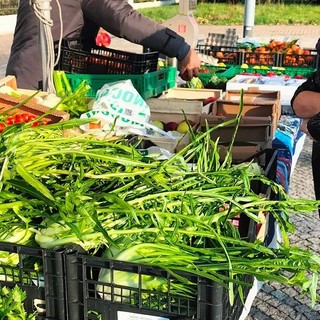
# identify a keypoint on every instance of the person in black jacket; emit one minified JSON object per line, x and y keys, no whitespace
{"x":306,"y":105}
{"x":81,"y":20}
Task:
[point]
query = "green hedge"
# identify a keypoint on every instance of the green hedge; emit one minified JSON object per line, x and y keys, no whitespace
{"x":8,"y":7}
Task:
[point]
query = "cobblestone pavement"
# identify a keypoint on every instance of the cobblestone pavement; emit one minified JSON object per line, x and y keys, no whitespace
{"x":280,"y":302}
{"x":274,"y":301}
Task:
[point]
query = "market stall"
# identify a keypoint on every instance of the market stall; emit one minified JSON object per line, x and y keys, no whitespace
{"x":136,"y":221}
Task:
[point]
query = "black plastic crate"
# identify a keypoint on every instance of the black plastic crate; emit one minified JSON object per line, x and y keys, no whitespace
{"x":258,"y":58}
{"x":87,"y":297}
{"x":267,"y":160}
{"x":310,"y":60}
{"x":225,"y":54}
{"x":104,"y":60}
{"x":40,"y":274}
{"x":91,"y":299}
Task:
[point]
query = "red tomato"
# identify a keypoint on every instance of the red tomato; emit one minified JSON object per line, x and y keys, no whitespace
{"x":103,"y":39}
{"x":25,"y":117}
{"x":32,"y":117}
{"x":17,"y":119}
{"x":35,"y":124}
{"x":10,"y":121}
{"x":2,"y":127}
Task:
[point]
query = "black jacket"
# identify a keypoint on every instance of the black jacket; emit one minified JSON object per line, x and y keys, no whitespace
{"x":82,"y":20}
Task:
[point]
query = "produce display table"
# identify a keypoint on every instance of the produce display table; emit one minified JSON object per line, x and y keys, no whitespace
{"x":288,"y":140}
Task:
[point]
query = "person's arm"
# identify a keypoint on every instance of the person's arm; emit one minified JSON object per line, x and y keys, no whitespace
{"x":306,"y":100}
{"x":121,"y":20}
{"x":306,"y":104}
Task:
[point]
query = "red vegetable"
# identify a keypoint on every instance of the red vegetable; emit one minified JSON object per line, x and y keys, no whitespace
{"x":25,"y":117}
{"x":103,"y":39}
{"x":2,"y":127}
{"x":32,"y":117}
{"x":209,"y":100}
{"x":35,"y":124}
{"x":10,"y":121}
{"x":17,"y":119}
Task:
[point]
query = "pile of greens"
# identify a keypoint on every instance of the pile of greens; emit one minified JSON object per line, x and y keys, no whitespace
{"x":178,"y":214}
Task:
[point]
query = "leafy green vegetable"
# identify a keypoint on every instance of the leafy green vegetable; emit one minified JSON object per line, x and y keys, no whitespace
{"x":178,"y":214}
{"x":75,"y":102}
{"x":11,"y":304}
{"x":195,"y":83}
{"x":216,"y":82}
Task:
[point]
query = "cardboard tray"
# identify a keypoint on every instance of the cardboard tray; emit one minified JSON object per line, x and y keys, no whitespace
{"x":8,"y":103}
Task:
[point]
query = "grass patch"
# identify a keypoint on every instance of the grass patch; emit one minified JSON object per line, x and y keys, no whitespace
{"x":229,"y":14}
{"x":233,"y":14}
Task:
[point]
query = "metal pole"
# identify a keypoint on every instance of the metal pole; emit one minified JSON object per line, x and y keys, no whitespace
{"x":249,"y":13}
{"x":46,"y":8}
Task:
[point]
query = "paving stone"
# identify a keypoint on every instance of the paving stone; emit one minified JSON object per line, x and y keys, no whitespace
{"x":307,"y":312}
{"x":267,"y":288}
{"x":258,"y":315}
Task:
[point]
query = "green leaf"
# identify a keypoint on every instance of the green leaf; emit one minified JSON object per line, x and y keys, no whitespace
{"x":28,"y":189}
{"x":33,"y":181}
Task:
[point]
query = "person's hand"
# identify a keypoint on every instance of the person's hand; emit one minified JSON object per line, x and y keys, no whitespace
{"x":189,"y":66}
{"x":303,"y":126}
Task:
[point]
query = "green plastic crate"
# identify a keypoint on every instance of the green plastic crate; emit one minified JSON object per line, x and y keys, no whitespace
{"x":290,"y":71}
{"x":220,"y":73}
{"x":148,"y":84}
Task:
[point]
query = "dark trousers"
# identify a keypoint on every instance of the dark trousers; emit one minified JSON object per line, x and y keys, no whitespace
{"x":316,"y":169}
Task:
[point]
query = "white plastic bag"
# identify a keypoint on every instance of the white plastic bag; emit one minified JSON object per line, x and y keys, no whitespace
{"x":119,"y":109}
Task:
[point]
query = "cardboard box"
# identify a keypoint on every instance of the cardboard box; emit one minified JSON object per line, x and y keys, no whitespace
{"x":231,"y":109}
{"x":173,"y":110}
{"x":252,"y":130}
{"x":240,"y":152}
{"x":224,"y":110}
{"x":9,"y":81}
{"x":252,"y":95}
{"x":185,"y":95}
{"x":286,"y":87}
{"x":192,"y":94}
{"x":256,"y":96}
{"x":8,"y":103}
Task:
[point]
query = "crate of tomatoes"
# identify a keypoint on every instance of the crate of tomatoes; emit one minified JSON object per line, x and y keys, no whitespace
{"x":17,"y":108}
